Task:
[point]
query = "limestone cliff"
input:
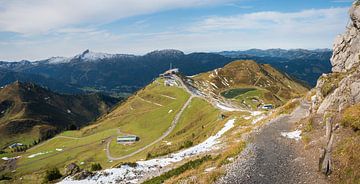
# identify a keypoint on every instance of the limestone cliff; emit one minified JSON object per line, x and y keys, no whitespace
{"x":341,"y":88}
{"x":334,"y":93}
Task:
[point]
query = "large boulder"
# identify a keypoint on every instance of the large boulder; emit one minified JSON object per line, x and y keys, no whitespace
{"x":72,"y":169}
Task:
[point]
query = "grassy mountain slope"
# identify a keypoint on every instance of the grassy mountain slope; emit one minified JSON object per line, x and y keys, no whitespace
{"x":147,"y":114}
{"x":8,"y":76}
{"x":29,"y":112}
{"x":250,"y":83}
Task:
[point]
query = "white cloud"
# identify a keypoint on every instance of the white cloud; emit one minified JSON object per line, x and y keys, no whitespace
{"x":308,"y":21}
{"x":315,"y":28}
{"x":40,"y":16}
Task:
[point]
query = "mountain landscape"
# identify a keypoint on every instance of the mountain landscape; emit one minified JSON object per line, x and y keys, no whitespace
{"x":220,"y":116}
{"x":262,"y":84}
{"x":120,"y":74}
{"x":158,"y":105}
{"x":31,"y":113}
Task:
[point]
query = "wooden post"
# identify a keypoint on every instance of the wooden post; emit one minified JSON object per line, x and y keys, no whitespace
{"x":325,"y":157}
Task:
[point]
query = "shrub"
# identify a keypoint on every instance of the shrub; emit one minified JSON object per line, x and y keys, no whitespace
{"x":52,"y":174}
{"x":187,"y":144}
{"x":351,"y":117}
{"x":3,"y":177}
{"x":95,"y":167}
{"x":148,"y":156}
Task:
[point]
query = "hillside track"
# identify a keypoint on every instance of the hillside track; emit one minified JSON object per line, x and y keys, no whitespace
{"x":165,"y":134}
{"x":273,"y":159}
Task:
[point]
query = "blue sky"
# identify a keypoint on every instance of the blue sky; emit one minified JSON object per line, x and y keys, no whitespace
{"x":37,"y":29}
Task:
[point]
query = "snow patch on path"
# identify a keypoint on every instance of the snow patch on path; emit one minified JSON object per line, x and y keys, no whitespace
{"x":292,"y":135}
{"x":127,"y":174}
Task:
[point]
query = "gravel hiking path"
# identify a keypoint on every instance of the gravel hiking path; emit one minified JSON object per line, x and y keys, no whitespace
{"x":271,"y":159}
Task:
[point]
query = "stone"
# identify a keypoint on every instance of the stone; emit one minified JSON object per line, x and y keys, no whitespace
{"x":72,"y":169}
{"x":83,"y":175}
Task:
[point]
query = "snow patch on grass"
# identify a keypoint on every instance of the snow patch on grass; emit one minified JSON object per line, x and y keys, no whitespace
{"x":127,"y":174}
{"x":38,"y":154}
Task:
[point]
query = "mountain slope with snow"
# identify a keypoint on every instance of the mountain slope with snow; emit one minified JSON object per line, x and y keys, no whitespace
{"x":122,"y":73}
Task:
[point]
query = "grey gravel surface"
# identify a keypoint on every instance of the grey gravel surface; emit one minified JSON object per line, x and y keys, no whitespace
{"x":271,"y":158}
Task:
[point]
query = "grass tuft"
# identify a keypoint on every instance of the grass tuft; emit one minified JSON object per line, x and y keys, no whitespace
{"x":347,"y":160}
{"x":351,"y":117}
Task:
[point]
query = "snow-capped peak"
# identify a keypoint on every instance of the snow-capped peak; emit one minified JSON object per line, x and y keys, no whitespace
{"x":88,"y":55}
{"x":57,"y":60}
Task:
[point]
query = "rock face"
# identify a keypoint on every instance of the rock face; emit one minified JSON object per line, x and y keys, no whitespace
{"x":340,"y":89}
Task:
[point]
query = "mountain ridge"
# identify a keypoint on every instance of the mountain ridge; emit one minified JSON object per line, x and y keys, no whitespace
{"x":26,"y":107}
{"x":119,"y":74}
{"x":276,"y":52}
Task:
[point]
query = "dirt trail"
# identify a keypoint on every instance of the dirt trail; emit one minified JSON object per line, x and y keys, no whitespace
{"x":168,"y":131}
{"x":271,"y":158}
{"x":149,"y":101}
{"x":193,"y":93}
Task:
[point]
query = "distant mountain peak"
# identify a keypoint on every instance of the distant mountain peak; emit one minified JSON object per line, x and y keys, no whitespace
{"x":166,"y":52}
{"x":57,"y":59}
{"x":88,"y":55}
{"x":85,"y":52}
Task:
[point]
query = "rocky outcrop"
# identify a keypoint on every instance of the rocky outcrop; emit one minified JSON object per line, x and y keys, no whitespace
{"x":340,"y":89}
{"x":83,"y":175}
{"x":72,"y":169}
{"x":347,"y":46}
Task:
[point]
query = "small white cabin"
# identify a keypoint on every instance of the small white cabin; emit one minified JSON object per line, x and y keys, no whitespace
{"x":267,"y":107}
{"x":127,"y":139}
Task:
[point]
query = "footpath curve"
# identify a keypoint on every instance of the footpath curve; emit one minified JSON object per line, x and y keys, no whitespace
{"x":165,"y":134}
